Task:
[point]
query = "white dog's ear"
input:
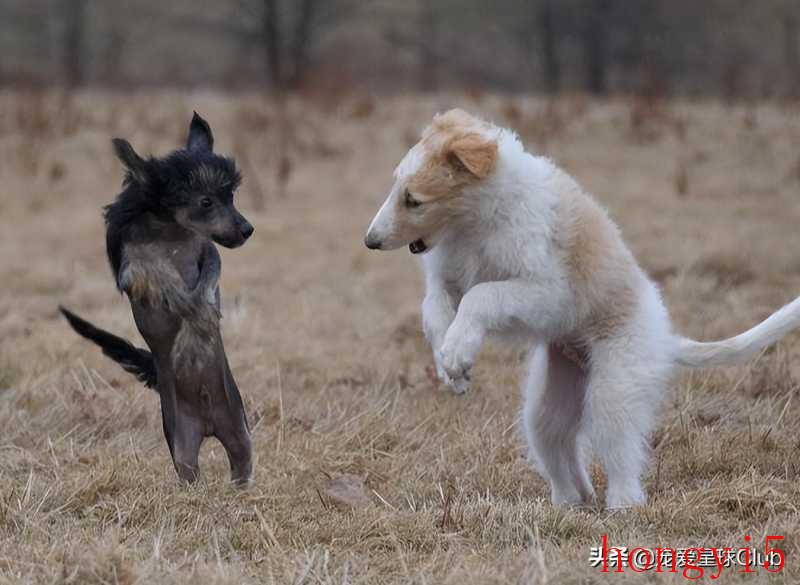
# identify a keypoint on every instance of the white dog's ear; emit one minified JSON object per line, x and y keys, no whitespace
{"x":474,"y":153}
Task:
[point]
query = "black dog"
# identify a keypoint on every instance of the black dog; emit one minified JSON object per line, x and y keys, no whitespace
{"x":159,"y":234}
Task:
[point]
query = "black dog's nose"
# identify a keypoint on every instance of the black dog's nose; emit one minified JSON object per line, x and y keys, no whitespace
{"x":372,"y":243}
{"x":247,"y":230}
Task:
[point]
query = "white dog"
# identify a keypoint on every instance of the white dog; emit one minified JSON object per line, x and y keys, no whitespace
{"x":513,"y":246}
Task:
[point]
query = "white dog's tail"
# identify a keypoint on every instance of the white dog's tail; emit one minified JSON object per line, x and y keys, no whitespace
{"x":695,"y":354}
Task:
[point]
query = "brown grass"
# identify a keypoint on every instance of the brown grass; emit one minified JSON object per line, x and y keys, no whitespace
{"x":324,"y":339}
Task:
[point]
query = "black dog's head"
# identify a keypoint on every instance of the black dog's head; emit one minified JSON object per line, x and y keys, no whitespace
{"x":192,"y":186}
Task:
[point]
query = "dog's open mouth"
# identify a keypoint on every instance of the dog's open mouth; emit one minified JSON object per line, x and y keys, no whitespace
{"x":417,"y":246}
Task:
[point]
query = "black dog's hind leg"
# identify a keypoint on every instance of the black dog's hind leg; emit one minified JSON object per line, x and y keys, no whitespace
{"x":183,"y":434}
{"x":236,"y":440}
{"x":232,"y":430}
{"x":185,"y":440}
{"x":186,"y":449}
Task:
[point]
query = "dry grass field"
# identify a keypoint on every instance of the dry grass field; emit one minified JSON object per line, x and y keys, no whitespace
{"x":325,"y":341}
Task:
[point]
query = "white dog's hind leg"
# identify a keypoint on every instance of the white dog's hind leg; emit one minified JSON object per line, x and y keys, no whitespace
{"x":533,"y":388}
{"x":551,"y":419}
{"x":624,"y":392}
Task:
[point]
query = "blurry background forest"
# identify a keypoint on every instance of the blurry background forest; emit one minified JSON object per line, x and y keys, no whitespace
{"x":651,"y":47}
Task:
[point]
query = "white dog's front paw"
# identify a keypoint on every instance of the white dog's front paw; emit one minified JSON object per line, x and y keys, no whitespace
{"x":443,"y":377}
{"x":440,"y":373}
{"x":460,"y":385}
{"x":455,"y":369}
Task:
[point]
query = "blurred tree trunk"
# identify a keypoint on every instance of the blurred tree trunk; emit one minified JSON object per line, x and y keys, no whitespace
{"x":791,"y":52}
{"x":271,"y":31}
{"x":428,"y":62}
{"x":74,"y":15}
{"x":112,"y":58}
{"x":595,"y":46}
{"x":549,"y":48}
{"x":301,"y":40}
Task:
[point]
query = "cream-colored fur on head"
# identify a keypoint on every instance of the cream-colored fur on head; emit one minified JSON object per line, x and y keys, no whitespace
{"x":432,"y":183}
{"x":515,"y":248}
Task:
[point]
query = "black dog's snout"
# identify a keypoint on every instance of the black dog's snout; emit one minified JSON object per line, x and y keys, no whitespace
{"x":372,"y":243}
{"x":247,"y":230}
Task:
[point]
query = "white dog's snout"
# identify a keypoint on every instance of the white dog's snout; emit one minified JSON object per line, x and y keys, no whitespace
{"x":380,"y":227}
{"x":371,"y":242}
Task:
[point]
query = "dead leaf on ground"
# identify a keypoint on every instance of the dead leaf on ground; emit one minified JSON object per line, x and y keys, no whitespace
{"x":347,"y":491}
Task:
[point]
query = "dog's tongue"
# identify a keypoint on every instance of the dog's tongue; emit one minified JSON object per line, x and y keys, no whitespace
{"x":417,"y":246}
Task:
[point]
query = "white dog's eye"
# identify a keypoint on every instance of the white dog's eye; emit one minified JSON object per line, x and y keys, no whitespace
{"x":410,"y":201}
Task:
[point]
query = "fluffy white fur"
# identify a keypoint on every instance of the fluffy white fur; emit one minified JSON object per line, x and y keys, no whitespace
{"x":526,"y":255}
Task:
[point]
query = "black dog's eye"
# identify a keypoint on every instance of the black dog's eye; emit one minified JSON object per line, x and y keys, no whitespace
{"x":410,"y":201}
{"x":206,"y":202}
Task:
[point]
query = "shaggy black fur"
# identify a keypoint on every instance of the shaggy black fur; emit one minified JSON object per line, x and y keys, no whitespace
{"x":138,"y":362}
{"x":160,"y":235}
{"x":160,"y":185}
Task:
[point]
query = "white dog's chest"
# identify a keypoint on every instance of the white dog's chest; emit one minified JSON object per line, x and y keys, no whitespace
{"x":468,"y":264}
{"x":463,"y":272}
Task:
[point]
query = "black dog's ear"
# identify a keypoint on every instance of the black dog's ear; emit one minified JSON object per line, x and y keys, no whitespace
{"x":200,"y":137}
{"x":132,"y":161}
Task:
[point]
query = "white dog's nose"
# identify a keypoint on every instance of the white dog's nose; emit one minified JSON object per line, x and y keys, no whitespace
{"x":372,"y":242}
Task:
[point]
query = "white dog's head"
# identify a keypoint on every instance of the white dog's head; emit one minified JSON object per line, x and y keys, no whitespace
{"x":456,"y":151}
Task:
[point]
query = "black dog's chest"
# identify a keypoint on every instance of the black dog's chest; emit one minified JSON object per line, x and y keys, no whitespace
{"x":158,"y":327}
{"x":186,"y":264}
{"x":158,"y":275}
{"x":162,"y":263}
{"x":160,"y":280}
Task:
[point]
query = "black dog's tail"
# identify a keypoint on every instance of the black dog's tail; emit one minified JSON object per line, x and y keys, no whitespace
{"x":138,"y":362}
